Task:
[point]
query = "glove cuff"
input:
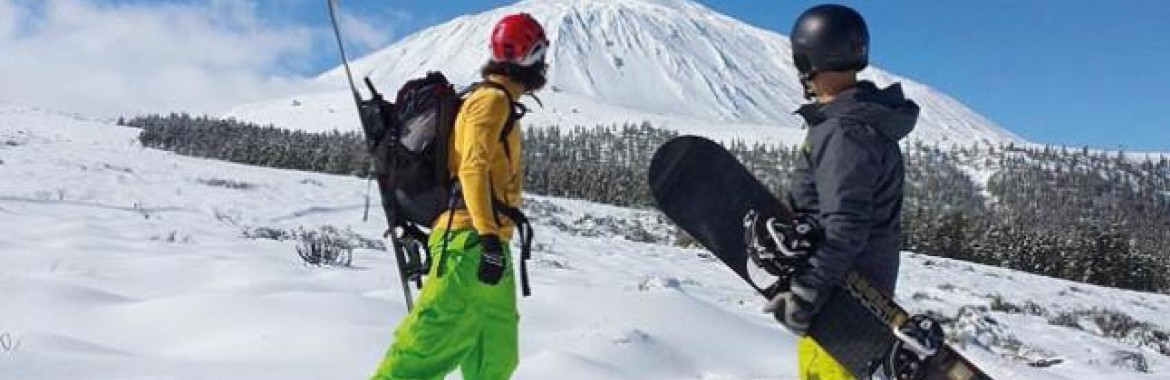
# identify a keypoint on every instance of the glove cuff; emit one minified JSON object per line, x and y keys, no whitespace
{"x":806,"y":293}
{"x":491,"y":244}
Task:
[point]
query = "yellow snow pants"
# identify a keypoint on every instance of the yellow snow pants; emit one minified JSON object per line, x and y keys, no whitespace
{"x":816,"y":364}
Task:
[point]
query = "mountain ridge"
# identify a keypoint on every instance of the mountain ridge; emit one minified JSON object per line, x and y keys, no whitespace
{"x":675,"y":63}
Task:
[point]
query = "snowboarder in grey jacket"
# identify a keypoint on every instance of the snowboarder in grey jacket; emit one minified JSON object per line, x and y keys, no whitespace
{"x":849,"y":177}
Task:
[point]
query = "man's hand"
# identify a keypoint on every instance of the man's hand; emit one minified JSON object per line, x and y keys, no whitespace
{"x":796,"y":307}
{"x":492,"y":263}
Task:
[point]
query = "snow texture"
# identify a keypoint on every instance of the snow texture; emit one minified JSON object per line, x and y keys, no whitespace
{"x":128,"y":263}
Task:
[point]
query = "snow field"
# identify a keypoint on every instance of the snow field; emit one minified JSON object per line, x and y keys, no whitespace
{"x":126,"y":263}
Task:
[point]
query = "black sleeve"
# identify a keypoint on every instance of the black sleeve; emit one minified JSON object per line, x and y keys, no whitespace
{"x":846,"y":170}
{"x":802,"y":193}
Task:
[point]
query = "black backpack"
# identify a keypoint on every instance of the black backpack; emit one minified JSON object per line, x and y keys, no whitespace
{"x":409,"y":141}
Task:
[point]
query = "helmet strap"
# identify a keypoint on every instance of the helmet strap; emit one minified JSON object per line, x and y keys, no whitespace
{"x":806,"y":82}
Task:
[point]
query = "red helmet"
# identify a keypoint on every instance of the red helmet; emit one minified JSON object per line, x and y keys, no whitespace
{"x":518,"y":38}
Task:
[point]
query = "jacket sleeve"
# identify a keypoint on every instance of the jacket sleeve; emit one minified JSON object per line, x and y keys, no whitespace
{"x":846,"y":172}
{"x":802,"y":194}
{"x":484,"y":114}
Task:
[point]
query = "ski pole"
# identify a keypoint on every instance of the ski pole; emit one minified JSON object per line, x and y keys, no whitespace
{"x":396,"y":244}
{"x":357,"y":97}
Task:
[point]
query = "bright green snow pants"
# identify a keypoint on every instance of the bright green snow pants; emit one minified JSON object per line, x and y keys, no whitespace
{"x":458,"y":321}
{"x":816,"y":364}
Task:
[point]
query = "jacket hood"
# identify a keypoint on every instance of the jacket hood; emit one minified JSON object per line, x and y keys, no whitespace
{"x":885,"y":109}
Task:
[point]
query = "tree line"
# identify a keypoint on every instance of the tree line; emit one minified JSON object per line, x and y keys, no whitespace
{"x":1095,"y":217}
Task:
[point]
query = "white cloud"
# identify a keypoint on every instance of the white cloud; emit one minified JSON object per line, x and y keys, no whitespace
{"x":8,"y":19}
{"x":361,"y":33}
{"x":112,"y":59}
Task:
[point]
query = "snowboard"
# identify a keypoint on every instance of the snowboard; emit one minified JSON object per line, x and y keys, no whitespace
{"x":707,"y":192}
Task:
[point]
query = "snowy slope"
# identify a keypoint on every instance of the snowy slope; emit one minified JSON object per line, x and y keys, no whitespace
{"x":128,"y":263}
{"x":675,"y":63}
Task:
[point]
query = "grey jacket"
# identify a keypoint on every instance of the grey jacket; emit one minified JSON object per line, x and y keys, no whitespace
{"x":850,"y":175}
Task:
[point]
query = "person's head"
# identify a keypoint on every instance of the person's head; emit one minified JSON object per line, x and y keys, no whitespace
{"x":518,"y":47}
{"x":830,"y":44}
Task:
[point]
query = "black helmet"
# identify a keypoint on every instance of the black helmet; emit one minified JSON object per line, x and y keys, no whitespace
{"x":829,"y":37}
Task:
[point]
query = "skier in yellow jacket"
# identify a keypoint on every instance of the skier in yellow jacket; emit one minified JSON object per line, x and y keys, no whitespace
{"x":466,"y":314}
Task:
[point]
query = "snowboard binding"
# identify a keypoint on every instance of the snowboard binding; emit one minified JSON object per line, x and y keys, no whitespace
{"x":779,"y":247}
{"x":416,"y":267}
{"x":410,"y":253}
{"x":918,"y":340}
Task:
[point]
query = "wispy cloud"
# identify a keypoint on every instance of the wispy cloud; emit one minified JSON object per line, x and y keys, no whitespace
{"x":370,"y":31}
{"x":109,"y":59}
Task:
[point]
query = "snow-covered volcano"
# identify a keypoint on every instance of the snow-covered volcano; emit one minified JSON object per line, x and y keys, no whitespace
{"x":672,"y":62}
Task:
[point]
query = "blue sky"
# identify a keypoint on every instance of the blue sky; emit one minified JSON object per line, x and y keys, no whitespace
{"x":1075,"y":72}
{"x":1071,"y":72}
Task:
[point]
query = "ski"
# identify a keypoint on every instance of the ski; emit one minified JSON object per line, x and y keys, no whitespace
{"x":407,"y":243}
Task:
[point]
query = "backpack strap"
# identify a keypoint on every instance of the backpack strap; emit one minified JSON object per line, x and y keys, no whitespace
{"x":518,"y":112}
{"x":524,"y":229}
{"x":499,"y":208}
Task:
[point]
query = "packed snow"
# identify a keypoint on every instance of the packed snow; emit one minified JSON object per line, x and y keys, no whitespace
{"x":676,"y":64}
{"x":127,"y":263}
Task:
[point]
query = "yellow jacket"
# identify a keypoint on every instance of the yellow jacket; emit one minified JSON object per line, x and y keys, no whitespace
{"x":481,"y":164}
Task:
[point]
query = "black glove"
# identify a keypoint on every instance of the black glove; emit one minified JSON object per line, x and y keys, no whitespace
{"x":796,"y":307}
{"x":492,"y":263}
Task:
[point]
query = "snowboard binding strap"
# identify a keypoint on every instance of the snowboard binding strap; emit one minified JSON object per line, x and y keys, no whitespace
{"x":779,"y":248}
{"x":794,"y":239}
{"x":918,"y":340}
{"x":921,"y":334}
